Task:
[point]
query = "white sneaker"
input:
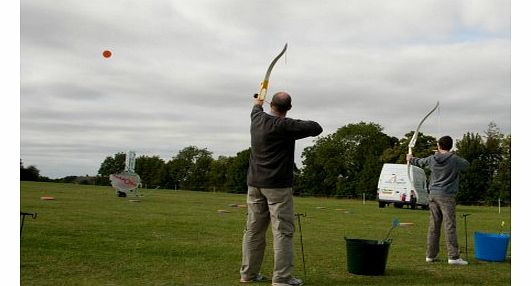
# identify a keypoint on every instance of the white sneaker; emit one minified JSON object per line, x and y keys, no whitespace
{"x":458,"y":261}
{"x":291,"y":282}
{"x":430,"y":260}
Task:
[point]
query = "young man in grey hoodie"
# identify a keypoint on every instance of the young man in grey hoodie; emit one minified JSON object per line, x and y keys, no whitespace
{"x":444,"y":183}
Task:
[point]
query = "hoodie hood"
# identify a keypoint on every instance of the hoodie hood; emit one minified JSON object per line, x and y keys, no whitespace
{"x":442,"y":157}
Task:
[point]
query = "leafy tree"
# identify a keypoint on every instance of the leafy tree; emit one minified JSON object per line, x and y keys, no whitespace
{"x":219,"y":173}
{"x":367,"y":179}
{"x":493,"y":150}
{"x":346,"y":163}
{"x":237,"y":172}
{"x":473,"y":183}
{"x":30,"y":173}
{"x":189,"y":169}
{"x":470,"y":147}
{"x":198,"y":179}
{"x":399,"y":148}
{"x":322,"y":166}
{"x":488,"y":177}
{"x":501,"y":181}
{"x":151,"y":170}
{"x":109,"y":166}
{"x":335,"y":164}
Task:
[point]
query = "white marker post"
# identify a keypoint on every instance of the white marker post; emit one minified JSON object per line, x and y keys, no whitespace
{"x":130,"y":159}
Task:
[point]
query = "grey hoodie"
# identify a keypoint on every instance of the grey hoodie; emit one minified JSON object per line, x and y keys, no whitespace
{"x":445,"y":168}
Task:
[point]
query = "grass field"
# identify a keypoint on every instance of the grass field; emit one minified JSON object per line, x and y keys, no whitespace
{"x":88,"y":236}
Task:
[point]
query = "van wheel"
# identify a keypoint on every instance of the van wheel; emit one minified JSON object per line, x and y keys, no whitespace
{"x":381,"y":205}
{"x":398,"y":205}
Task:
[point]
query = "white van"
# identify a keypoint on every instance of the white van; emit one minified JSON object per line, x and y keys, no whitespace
{"x":394,"y":187}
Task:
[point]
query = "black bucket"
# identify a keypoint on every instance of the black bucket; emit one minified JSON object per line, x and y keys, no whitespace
{"x":367,"y":257}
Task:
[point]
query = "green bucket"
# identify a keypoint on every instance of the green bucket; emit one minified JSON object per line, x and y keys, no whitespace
{"x":367,"y":257}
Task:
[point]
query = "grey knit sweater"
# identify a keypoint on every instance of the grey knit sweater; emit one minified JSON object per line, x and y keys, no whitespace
{"x":273,"y":148}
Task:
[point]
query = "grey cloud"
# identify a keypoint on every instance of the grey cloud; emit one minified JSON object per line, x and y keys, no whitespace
{"x":183,"y":72}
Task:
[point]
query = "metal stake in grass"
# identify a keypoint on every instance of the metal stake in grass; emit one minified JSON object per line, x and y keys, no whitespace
{"x":23,"y":215}
{"x":298,"y":215}
{"x":466,"y":236}
{"x":396,"y":223}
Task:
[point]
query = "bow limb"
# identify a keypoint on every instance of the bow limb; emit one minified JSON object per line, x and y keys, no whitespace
{"x":265,"y":83}
{"x":414,"y":138}
{"x":414,"y":141}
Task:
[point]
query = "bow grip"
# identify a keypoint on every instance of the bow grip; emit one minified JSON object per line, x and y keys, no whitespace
{"x":263,"y":90}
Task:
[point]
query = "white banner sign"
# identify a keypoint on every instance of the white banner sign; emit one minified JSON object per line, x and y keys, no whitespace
{"x":125,"y":181}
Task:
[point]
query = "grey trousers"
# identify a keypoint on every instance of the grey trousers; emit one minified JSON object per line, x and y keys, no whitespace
{"x":442,"y":210}
{"x":265,"y":206}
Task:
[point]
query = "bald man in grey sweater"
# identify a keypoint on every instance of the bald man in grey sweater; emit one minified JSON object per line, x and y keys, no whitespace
{"x":270,"y":193}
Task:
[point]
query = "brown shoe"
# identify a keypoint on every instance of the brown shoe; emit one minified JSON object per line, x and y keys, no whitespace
{"x":258,"y":278}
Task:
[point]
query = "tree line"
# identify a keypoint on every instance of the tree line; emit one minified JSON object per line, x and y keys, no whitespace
{"x":346,"y":164}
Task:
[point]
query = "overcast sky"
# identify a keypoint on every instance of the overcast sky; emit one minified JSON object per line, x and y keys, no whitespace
{"x":183,"y":72}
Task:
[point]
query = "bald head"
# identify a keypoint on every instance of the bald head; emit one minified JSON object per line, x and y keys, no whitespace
{"x":281,"y":102}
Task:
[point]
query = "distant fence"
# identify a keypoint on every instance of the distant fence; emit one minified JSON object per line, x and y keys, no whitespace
{"x":486,"y":203}
{"x":363,"y":196}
